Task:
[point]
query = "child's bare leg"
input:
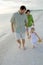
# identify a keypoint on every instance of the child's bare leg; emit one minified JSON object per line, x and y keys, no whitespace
{"x":27,"y":32}
{"x":28,"y":35}
{"x":19,"y":41}
{"x":33,"y":45}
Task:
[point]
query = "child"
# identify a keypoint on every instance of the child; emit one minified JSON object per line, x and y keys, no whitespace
{"x":30,"y":22}
{"x":34,"y":37}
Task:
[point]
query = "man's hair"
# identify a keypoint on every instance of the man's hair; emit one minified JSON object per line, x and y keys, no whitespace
{"x":23,"y":7}
{"x":27,"y":11}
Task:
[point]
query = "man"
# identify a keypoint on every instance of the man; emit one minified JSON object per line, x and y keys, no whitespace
{"x":30,"y":22}
{"x":18,"y":20}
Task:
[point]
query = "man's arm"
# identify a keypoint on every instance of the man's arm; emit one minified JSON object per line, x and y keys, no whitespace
{"x":12,"y":23}
{"x":26,"y":21}
{"x":12,"y":26}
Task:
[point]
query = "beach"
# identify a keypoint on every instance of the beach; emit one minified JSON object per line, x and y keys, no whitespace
{"x":10,"y":54}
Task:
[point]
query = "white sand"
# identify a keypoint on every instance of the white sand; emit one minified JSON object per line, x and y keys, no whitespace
{"x":10,"y":54}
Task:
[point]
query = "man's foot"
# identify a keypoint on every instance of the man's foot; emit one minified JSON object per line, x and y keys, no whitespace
{"x":34,"y":46}
{"x":24,"y":48}
{"x":19,"y":42}
{"x":19,"y":46}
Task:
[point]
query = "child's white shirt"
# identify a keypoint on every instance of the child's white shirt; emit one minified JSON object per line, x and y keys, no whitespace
{"x":33,"y":38}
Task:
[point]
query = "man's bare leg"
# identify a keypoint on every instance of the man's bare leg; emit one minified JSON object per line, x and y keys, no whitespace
{"x":19,"y":41}
{"x":23,"y":43}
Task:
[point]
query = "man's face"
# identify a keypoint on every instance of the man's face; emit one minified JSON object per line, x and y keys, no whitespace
{"x":22,"y":11}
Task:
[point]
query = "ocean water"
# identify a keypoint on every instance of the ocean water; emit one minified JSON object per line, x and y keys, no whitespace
{"x":5,"y":27}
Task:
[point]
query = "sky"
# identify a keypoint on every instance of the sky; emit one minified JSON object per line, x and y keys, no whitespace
{"x":8,"y":6}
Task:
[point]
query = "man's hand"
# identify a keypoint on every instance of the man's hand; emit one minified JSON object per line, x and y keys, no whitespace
{"x":27,"y":29}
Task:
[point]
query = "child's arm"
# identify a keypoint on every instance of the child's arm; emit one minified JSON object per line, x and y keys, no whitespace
{"x":37,"y":35}
{"x":40,"y":40}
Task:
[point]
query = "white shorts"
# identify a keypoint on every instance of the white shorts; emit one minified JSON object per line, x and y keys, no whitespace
{"x":20,"y":36}
{"x":29,"y":28}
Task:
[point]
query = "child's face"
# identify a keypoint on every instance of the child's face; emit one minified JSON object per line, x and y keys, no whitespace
{"x":32,"y":30}
{"x":28,"y":13}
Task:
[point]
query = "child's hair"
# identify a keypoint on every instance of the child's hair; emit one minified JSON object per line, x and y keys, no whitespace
{"x":27,"y":11}
{"x":32,"y":28}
